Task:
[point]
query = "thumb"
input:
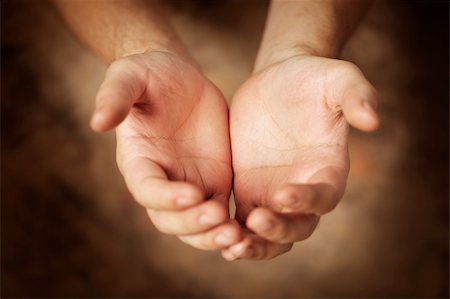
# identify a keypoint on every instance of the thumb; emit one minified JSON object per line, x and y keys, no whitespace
{"x":357,"y":99}
{"x":359,"y":107}
{"x":120,"y":89}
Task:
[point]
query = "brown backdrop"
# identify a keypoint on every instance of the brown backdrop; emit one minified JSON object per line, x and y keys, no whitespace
{"x":69,"y":227}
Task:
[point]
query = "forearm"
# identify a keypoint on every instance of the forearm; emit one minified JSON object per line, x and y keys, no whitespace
{"x":113,"y":29}
{"x":313,"y":27}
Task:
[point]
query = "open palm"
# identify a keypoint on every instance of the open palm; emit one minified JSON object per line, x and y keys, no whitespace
{"x":289,"y":131}
{"x":173,"y":145}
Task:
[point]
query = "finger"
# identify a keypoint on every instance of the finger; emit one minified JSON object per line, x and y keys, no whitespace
{"x":281,"y":228}
{"x":219,"y":237}
{"x":120,"y":89}
{"x":253,"y":247}
{"x":190,"y":221}
{"x":238,"y":250}
{"x":303,"y":198}
{"x":149,"y":185}
{"x":319,"y":196}
{"x":358,"y":106}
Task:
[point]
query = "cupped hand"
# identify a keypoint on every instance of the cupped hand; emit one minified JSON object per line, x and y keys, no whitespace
{"x":173,"y":145}
{"x":289,"y":127}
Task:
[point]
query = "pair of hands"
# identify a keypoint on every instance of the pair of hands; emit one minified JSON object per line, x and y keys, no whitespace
{"x":288,"y":130}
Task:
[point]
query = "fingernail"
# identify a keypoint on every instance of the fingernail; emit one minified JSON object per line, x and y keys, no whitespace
{"x":238,"y":250}
{"x":184,"y":201}
{"x":222,"y":239}
{"x":206,"y":220}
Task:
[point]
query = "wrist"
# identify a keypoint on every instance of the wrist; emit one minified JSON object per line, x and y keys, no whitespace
{"x":168,"y":44}
{"x":274,"y":55}
{"x":173,"y":48}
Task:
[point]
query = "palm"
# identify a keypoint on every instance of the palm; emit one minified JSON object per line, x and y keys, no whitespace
{"x":284,"y":131}
{"x":289,"y":131}
{"x":179,"y":125}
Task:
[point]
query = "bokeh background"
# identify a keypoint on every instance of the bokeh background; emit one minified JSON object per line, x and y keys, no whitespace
{"x":70,"y":228}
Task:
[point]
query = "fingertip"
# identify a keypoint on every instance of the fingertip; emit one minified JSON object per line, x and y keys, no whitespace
{"x":371,"y":118}
{"x":238,"y":250}
{"x":156,"y":192}
{"x":367,"y":123}
{"x":107,"y":118}
{"x":363,"y":116}
{"x":195,"y":192}
{"x":185,"y":201}
{"x":191,"y":195}
{"x":235,"y":232}
{"x":110,"y":112}
{"x":211,"y":214}
{"x":216,"y":208}
{"x":292,"y":197}
{"x":260,"y":220}
{"x":227,"y":255}
{"x":219,"y":211}
{"x":99,"y":122}
{"x":228,"y":235}
{"x":249,"y":253}
{"x":218,"y":238}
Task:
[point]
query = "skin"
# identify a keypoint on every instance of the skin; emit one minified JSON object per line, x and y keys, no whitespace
{"x":288,"y":122}
{"x":183,"y":182}
{"x":289,"y":125}
{"x":290,"y":156}
{"x":173,"y":146}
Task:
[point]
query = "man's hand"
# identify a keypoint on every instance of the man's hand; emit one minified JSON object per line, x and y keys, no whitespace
{"x":173,"y":145}
{"x":289,"y":131}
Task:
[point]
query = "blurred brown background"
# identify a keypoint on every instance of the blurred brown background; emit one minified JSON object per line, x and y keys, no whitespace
{"x":69,"y":227}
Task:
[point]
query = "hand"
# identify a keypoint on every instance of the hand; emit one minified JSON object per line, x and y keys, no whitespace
{"x":288,"y":126}
{"x":172,"y":145}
